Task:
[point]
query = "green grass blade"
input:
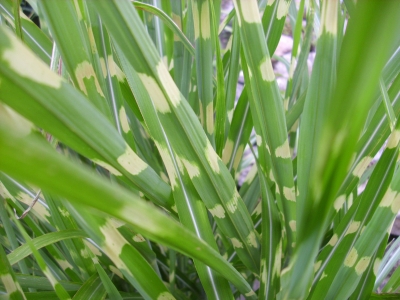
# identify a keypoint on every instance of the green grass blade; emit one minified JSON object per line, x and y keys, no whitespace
{"x":65,"y":19}
{"x":192,"y":212}
{"x":62,"y":220}
{"x":12,"y":190}
{"x":232,"y":72}
{"x":112,"y":84}
{"x":268,"y":112}
{"x":58,"y":108}
{"x":359,"y":215}
{"x":387,"y":103}
{"x":7,"y":275}
{"x":390,"y":71}
{"x":37,"y":167}
{"x":392,"y":66}
{"x":204,"y":66}
{"x":206,"y":170}
{"x":193,"y":215}
{"x":350,"y":6}
{"x":250,"y":189}
{"x":273,"y":21}
{"x":393,"y":282}
{"x":170,"y":23}
{"x":298,"y":65}
{"x":295,"y":111}
{"x":44,"y":295}
{"x":108,"y":285}
{"x":178,"y":48}
{"x":354,"y":83}
{"x":34,"y":38}
{"x":315,"y":109}
{"x":166,"y":34}
{"x":372,"y":140}
{"x":43,"y":241}
{"x":42,"y":283}
{"x":127,"y":259}
{"x":12,"y":237}
{"x":141,"y":244}
{"x":17,"y":19}
{"x":238,"y":135}
{"x":226,"y":21}
{"x":271,"y":243}
{"x":359,"y":257}
{"x":183,"y":76}
{"x":366,"y":284}
{"x":91,"y":289}
{"x":387,"y":264}
{"x":58,"y":288}
{"x":220,"y":101}
{"x":16,"y":192}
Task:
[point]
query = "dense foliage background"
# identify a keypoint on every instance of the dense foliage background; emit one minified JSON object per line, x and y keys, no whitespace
{"x":121,"y":120}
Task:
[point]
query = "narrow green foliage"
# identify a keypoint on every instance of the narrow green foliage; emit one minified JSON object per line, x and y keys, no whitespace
{"x":143,"y":167}
{"x":33,"y":37}
{"x":7,"y":275}
{"x":221,"y":111}
{"x":58,"y":288}
{"x":204,"y":56}
{"x":268,"y":114}
{"x":91,"y":289}
{"x":331,"y":164}
{"x":17,"y":19}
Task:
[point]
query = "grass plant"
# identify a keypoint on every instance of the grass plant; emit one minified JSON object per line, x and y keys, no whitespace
{"x":120,"y":118}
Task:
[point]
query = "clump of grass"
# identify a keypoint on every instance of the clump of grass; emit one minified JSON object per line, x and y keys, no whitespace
{"x":136,"y":144}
